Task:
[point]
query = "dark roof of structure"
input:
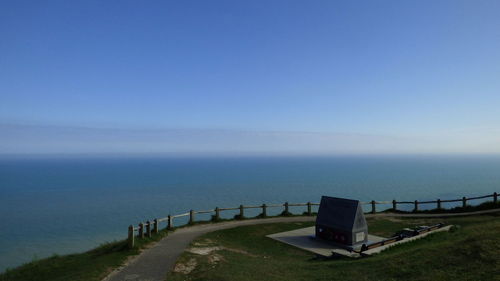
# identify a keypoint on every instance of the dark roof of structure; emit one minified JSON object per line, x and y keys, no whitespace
{"x":340,"y":213}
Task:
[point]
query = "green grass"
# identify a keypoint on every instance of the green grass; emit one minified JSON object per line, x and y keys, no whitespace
{"x":97,"y":263}
{"x":89,"y":266}
{"x":470,"y":252}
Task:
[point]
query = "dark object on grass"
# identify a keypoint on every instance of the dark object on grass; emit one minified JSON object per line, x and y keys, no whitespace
{"x":405,"y":233}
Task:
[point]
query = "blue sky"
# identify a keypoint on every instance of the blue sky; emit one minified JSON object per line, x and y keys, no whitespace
{"x":250,"y":76}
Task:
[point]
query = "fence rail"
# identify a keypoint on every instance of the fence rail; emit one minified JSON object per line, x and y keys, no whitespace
{"x":146,"y":229}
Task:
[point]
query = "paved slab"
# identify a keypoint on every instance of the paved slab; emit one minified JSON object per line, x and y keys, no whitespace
{"x":406,"y":240}
{"x":303,"y":238}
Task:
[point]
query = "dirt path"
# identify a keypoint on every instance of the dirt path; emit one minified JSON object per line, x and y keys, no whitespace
{"x":154,"y":263}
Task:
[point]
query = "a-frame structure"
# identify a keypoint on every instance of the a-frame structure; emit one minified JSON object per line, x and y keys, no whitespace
{"x":341,"y":221}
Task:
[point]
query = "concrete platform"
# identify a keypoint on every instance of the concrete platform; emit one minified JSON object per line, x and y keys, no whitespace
{"x":381,"y":248}
{"x":303,"y":238}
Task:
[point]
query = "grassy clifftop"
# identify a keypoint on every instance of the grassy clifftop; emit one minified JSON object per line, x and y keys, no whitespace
{"x":470,"y":252}
{"x":89,"y":266}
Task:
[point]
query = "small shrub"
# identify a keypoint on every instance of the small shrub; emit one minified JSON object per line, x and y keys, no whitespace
{"x":286,"y":214}
{"x":239,"y":217}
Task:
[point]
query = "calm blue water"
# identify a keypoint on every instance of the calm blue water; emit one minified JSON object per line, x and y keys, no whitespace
{"x":68,"y":205}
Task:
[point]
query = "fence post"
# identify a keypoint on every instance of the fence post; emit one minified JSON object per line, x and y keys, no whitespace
{"x":170,"y":222}
{"x":141,"y":230}
{"x":217,"y":213}
{"x":439,"y":203}
{"x":148,"y":228}
{"x":309,"y":211}
{"x":242,"y":212}
{"x":191,"y":216}
{"x":264,"y":210}
{"x":155,"y":224}
{"x":495,"y":197}
{"x":394,"y":205}
{"x":373,"y":207}
{"x":464,"y":202}
{"x":286,"y":208}
{"x":131,"y":236}
{"x":416,"y":206}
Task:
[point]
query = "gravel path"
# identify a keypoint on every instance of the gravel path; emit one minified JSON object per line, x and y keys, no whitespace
{"x":154,"y":263}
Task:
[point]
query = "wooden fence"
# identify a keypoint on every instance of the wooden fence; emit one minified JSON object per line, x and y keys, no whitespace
{"x":148,"y":228}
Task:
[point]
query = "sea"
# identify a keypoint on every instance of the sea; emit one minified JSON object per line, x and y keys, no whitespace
{"x":60,"y":205}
